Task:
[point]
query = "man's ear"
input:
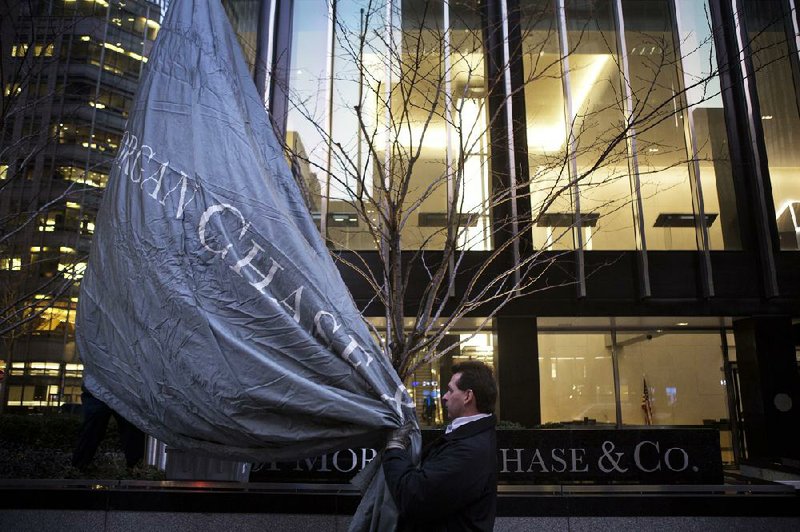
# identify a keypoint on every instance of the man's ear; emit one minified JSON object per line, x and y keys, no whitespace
{"x":470,"y":399}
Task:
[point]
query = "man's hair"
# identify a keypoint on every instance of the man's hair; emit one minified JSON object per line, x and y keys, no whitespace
{"x":479,"y":378}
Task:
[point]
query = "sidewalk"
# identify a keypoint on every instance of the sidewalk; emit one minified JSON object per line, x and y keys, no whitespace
{"x":136,"y":506}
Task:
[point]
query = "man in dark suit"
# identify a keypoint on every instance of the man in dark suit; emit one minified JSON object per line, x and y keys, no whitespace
{"x":455,"y":485}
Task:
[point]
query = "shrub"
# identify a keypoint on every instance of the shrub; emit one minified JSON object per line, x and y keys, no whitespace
{"x":40,"y":446}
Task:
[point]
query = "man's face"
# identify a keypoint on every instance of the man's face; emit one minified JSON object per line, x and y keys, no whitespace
{"x":455,"y":399}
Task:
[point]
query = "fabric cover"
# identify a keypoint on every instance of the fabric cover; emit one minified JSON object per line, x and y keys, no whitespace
{"x":211,"y":314}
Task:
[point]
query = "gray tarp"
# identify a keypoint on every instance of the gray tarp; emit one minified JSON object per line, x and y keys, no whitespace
{"x":211,"y":313}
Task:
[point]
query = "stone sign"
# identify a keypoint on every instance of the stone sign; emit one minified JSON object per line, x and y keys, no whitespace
{"x":553,"y":456}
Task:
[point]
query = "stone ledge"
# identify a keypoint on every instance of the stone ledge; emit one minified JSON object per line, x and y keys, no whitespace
{"x":759,"y":500}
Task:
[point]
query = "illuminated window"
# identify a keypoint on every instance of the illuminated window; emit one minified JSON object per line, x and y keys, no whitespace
{"x":3,"y":168}
{"x":48,"y":225}
{"x":11,"y":263}
{"x":576,"y":377}
{"x":44,"y":369}
{"x":79,"y":175}
{"x":39,"y":50}
{"x":33,"y":395}
{"x":73,"y":272}
{"x":12,"y":88}
{"x":780,"y":120}
{"x":72,"y":394}
{"x":591,"y":116}
{"x":74,"y":371}
{"x":120,"y":50}
{"x":54,"y":319}
{"x":476,"y":346}
{"x":87,"y":226}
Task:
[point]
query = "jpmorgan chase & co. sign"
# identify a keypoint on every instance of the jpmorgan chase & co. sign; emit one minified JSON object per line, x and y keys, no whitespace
{"x":551,"y":456}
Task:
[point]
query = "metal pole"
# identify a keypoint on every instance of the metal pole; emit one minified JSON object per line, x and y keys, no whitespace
{"x":448,"y":126}
{"x":512,"y":162}
{"x":572,"y":162}
{"x":748,"y":78}
{"x":701,"y":227}
{"x":264,"y":49}
{"x":633,"y":161}
{"x":615,"y":369}
{"x":323,"y":221}
{"x":730,"y":396}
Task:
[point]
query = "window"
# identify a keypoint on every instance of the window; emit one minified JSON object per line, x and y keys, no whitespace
{"x":73,"y":371}
{"x":429,"y":148}
{"x":77,"y":133}
{"x":576,"y":378}
{"x":79,"y":175}
{"x":307,"y":97}
{"x":577,"y":156}
{"x":584,"y":159}
{"x":669,"y":372}
{"x":53,"y":318}
{"x":706,"y":120}
{"x":780,"y":116}
{"x":33,"y":395}
{"x":356,"y":85}
{"x":38,"y":50}
{"x":72,"y":271}
{"x":682,"y":372}
{"x":44,"y":369}
{"x":11,"y":263}
{"x":661,"y":149}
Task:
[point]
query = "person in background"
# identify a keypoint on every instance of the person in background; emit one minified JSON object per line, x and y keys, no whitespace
{"x":455,"y":485}
{"x":96,"y":415}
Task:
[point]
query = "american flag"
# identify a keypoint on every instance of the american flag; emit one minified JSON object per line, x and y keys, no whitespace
{"x":647,"y":406}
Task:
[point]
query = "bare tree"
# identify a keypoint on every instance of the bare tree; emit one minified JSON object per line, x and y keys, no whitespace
{"x":403,"y":151}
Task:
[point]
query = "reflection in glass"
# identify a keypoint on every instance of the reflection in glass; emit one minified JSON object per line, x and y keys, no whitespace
{"x":591,"y":74}
{"x":243,"y":15}
{"x":358,"y":86}
{"x":699,"y":63}
{"x":661,"y":147}
{"x":428,"y":383}
{"x":780,"y":117}
{"x":469,"y":131}
{"x":307,"y":90}
{"x":418,"y":126}
{"x":599,"y":123}
{"x":546,"y":131}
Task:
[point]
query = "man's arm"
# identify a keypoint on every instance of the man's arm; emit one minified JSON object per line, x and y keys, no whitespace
{"x":447,"y":482}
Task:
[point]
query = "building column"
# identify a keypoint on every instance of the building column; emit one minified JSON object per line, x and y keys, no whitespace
{"x":769,"y":387}
{"x":517,"y":368}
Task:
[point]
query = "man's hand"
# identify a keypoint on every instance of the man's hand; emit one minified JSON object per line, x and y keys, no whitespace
{"x":400,"y":438}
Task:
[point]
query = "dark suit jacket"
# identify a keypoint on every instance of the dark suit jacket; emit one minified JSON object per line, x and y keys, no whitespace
{"x":455,"y":487}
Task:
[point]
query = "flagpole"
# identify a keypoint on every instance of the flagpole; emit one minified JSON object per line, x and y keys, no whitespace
{"x":647,"y":407}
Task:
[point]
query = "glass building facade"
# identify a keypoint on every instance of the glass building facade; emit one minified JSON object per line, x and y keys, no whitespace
{"x":633,"y":157}
{"x":644,"y":147}
{"x":70,"y":70}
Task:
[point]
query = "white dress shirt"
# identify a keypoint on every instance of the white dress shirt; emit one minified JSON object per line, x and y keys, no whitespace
{"x":460,"y":421}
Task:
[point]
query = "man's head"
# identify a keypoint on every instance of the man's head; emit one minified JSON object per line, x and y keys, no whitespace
{"x":471,"y":391}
